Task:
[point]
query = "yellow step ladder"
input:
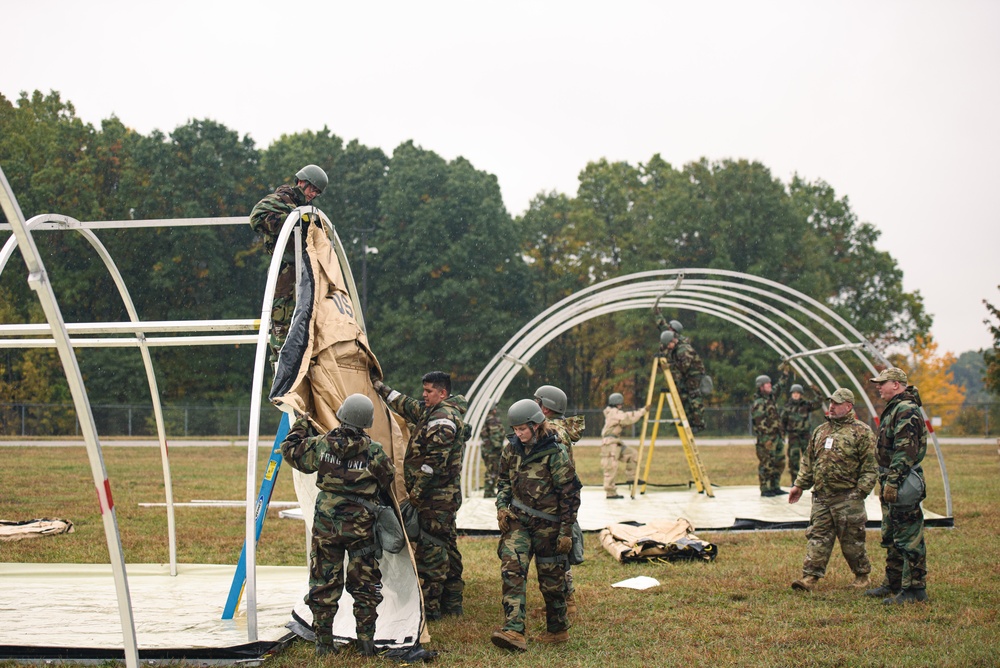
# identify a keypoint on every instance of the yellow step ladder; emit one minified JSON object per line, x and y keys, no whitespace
{"x":679,"y":419}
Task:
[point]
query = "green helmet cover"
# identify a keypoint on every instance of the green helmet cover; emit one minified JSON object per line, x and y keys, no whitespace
{"x":616,"y":399}
{"x":795,"y":388}
{"x":666,"y":336}
{"x":762,"y":380}
{"x":314,"y":175}
{"x":357,"y":411}
{"x":552,"y":398}
{"x":525,"y":411}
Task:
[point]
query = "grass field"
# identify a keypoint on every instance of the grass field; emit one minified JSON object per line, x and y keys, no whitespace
{"x":737,"y":610}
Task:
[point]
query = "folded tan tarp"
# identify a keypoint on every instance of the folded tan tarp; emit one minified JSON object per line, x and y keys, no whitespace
{"x":19,"y":530}
{"x":661,"y":540}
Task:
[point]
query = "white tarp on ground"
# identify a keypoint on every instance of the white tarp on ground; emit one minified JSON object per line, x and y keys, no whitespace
{"x":75,"y":605}
{"x":324,"y":359}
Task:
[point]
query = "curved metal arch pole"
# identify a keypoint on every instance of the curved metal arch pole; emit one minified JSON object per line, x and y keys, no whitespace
{"x":508,"y":370}
{"x":39,"y":282}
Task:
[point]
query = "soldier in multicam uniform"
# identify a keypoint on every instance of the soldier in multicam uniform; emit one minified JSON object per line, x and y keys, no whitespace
{"x":902,"y":444}
{"x":840,"y":468}
{"x":770,"y":445}
{"x":553,"y":403}
{"x":613,"y":450}
{"x":795,"y":422}
{"x":538,"y":495}
{"x":353,"y":472}
{"x":491,"y":443}
{"x":688,"y":370}
{"x":432,"y":470}
{"x":266,"y":218}
{"x":672,"y":325}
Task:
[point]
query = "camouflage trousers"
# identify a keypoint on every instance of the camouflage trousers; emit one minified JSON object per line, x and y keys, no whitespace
{"x":491,"y":464}
{"x":439,"y":563}
{"x":282,"y":307}
{"x":694,"y":407}
{"x":332,"y":537}
{"x":612,"y":453}
{"x":770,"y":461}
{"x":529,"y":538}
{"x":903,"y":540}
{"x":837,"y":518}
{"x":797,"y":442}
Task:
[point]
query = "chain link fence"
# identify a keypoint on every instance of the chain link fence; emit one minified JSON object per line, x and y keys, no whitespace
{"x":131,"y":420}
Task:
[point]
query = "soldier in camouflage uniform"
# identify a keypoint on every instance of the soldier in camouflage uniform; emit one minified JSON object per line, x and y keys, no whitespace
{"x":491,"y":443}
{"x":795,"y":422}
{"x":432,"y":470}
{"x":613,"y":450}
{"x":902,"y":444}
{"x":353,"y":473}
{"x":538,"y":495}
{"x":266,"y":219}
{"x":553,"y":403}
{"x":770,"y":445}
{"x":839,"y":466}
{"x":688,"y":369}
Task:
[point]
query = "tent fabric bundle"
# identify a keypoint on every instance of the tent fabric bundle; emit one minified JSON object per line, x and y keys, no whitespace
{"x":11,"y":530}
{"x":324,"y":359}
{"x":662,"y":540}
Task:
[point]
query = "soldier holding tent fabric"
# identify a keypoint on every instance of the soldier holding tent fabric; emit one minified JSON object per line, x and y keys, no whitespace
{"x":353,"y":473}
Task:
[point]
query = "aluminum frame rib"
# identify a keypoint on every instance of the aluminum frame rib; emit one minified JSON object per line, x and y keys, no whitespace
{"x":799,"y":329}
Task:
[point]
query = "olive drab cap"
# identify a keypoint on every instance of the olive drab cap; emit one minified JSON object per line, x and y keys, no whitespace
{"x":552,"y":398}
{"x":314,"y":175}
{"x":762,"y":380}
{"x":842,"y":395}
{"x":525,"y":411}
{"x":666,"y":336}
{"x":891,"y":373}
{"x":795,"y":388}
{"x":357,"y":411}
{"x":616,"y":399}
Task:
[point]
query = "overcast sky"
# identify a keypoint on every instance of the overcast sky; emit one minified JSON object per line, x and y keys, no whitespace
{"x":895,"y":104}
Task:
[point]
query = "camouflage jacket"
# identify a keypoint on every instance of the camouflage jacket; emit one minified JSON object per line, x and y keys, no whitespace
{"x":269,"y":214}
{"x":840,"y":458}
{"x":432,"y":467}
{"x":491,"y":434}
{"x":902,"y":436}
{"x":686,"y":365}
{"x":345,"y":461}
{"x":540,"y":476}
{"x":795,"y":414}
{"x":764,"y":412}
{"x":569,"y":430}
{"x":615,"y":419}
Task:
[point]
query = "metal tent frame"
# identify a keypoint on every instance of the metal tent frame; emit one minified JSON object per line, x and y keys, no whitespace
{"x":66,"y":337}
{"x":801,"y":330}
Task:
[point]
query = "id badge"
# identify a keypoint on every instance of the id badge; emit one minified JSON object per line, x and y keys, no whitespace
{"x":829,"y":443}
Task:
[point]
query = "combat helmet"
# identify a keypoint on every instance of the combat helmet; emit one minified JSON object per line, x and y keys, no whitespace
{"x":525,"y":411}
{"x":666,"y":336}
{"x":795,"y":388}
{"x":676,"y":326}
{"x":762,"y":380}
{"x":616,"y":399}
{"x":314,"y":175}
{"x":357,"y":411}
{"x":551,"y":397}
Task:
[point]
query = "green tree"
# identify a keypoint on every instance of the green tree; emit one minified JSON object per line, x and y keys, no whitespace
{"x":448,"y":281}
{"x":992,"y":356}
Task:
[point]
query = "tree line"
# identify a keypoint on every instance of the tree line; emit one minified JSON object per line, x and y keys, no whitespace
{"x":455,"y":274}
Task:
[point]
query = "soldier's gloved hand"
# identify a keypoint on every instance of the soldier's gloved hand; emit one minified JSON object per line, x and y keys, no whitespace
{"x":504,"y":516}
{"x":890,"y":494}
{"x":564,"y":545}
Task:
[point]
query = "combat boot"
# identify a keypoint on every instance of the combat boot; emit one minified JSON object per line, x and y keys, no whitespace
{"x":805,"y":583}
{"x":553,"y":637}
{"x":908,"y":596}
{"x":509,"y":640}
{"x":365,"y":647}
{"x":325,"y":646}
{"x":882,"y":591}
{"x":861,"y":582}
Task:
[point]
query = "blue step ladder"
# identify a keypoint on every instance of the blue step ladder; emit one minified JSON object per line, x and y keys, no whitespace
{"x":260,"y":511}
